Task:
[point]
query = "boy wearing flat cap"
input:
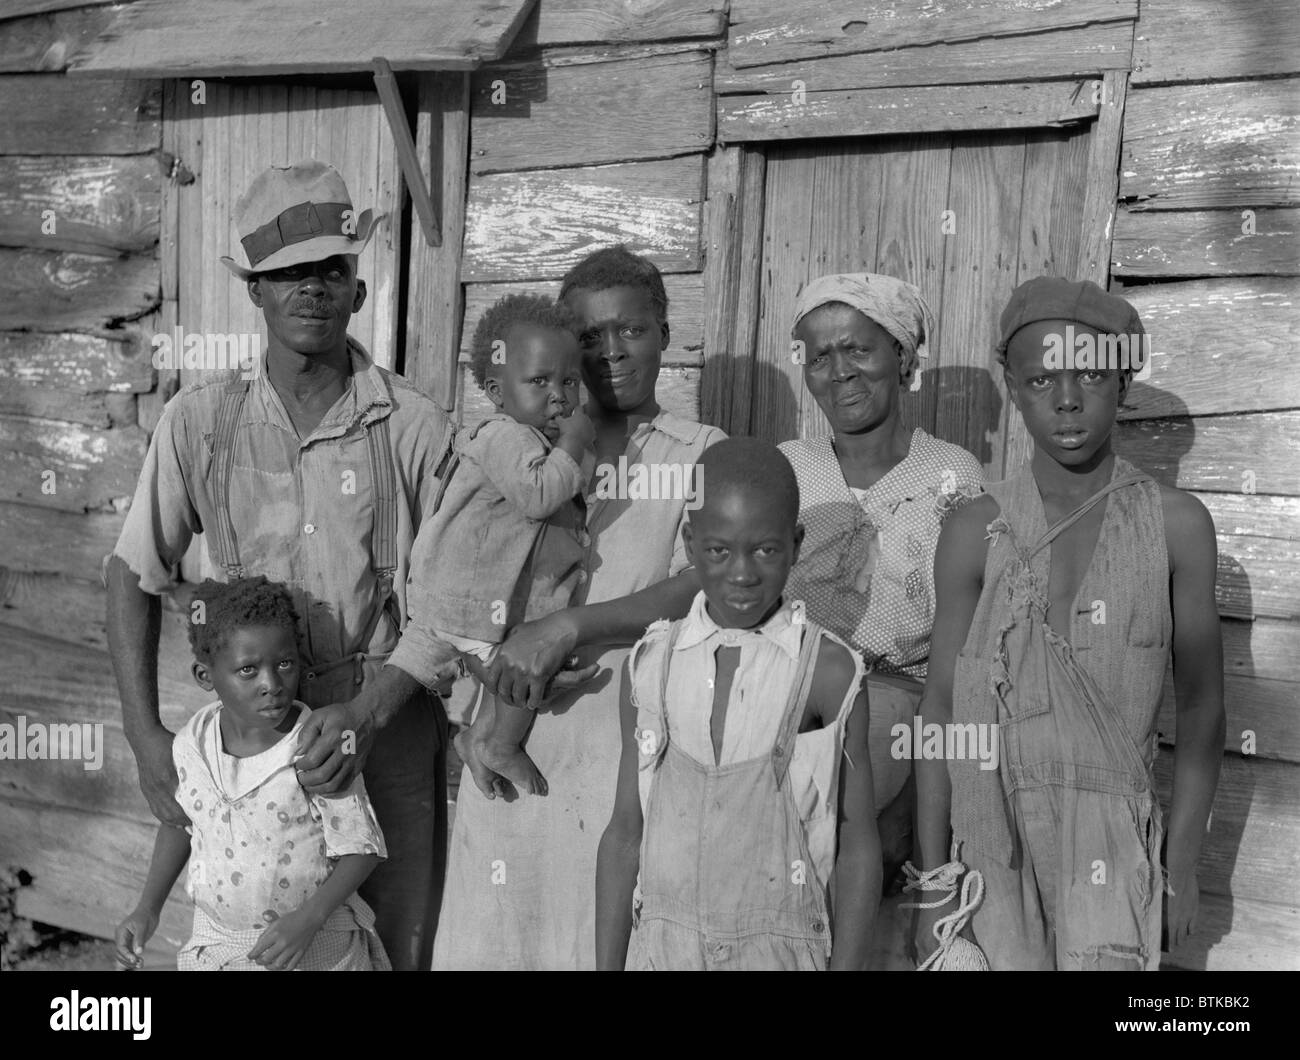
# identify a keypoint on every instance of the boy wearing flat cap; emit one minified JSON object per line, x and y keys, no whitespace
{"x":316,"y":473}
{"x":1060,"y":595}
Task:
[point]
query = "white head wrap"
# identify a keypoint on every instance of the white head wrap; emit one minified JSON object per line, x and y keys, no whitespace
{"x":896,"y":306}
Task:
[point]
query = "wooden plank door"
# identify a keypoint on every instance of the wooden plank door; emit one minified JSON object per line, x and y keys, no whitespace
{"x":965,"y":217}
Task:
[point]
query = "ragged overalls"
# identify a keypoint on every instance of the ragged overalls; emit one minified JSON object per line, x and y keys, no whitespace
{"x":405,"y":773}
{"x":727,"y":880}
{"x":1068,"y":831}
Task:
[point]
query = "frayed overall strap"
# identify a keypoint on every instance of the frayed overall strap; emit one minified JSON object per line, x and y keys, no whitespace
{"x":1058,"y":528}
{"x":800,"y":689}
{"x":665,"y":665}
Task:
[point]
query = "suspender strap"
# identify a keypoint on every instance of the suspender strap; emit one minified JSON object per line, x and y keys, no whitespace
{"x":383,"y":479}
{"x":1059,"y":528}
{"x":224,"y":545}
{"x":800,"y":689}
{"x":664,"y":666}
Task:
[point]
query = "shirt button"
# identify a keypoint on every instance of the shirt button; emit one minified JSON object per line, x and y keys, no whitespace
{"x":310,"y":528}
{"x":582,"y":576}
{"x":818,"y":926}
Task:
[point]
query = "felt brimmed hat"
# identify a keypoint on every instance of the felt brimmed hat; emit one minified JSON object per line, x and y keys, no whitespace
{"x":298,"y":213}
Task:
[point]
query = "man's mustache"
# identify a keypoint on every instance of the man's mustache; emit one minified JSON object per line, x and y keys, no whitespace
{"x":321,"y":310}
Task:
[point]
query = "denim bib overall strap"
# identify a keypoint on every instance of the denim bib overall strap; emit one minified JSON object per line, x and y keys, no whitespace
{"x":727,"y":881}
{"x":1073,"y":879}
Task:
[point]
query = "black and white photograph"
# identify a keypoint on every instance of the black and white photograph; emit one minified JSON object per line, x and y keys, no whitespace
{"x":650,"y":485}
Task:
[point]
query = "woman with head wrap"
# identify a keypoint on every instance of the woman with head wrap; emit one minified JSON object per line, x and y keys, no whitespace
{"x":872,"y":499}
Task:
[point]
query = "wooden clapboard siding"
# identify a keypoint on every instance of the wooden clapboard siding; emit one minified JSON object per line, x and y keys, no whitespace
{"x":87,"y":870}
{"x":678,"y":391}
{"x":554,"y":22}
{"x":1067,"y":53}
{"x":52,"y":291}
{"x":1256,"y":707}
{"x":591,"y":113}
{"x":16,"y":8}
{"x":46,"y":114}
{"x":177,"y":38}
{"x":1216,"y":453}
{"x":1259,"y":565}
{"x":1252,"y":848}
{"x":243,"y":128}
{"x":90,"y":410}
{"x":100,"y":204}
{"x":1224,"y":345}
{"x":79,"y":364}
{"x":776,"y":31}
{"x":1204,"y":40}
{"x":916,"y":109}
{"x":685,"y":313}
{"x":1153,"y":243}
{"x":536,"y":225}
{"x":1227,"y":145}
{"x":39,"y":539}
{"x":1236,"y":934}
{"x":91,"y":467}
{"x":45,"y":42}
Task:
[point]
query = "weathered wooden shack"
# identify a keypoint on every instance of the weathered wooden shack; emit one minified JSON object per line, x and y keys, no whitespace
{"x":964,"y":145}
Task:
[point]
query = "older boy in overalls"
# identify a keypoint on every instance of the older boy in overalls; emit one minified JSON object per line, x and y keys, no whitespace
{"x":1061,"y":594}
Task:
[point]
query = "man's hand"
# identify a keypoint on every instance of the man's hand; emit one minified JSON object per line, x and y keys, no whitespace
{"x":283,"y":944}
{"x":531,"y":656}
{"x":333,"y":746}
{"x":153,"y":759}
{"x":1181,"y":908}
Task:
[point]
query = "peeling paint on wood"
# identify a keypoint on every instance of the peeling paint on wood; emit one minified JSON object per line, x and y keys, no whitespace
{"x":98,"y":204}
{"x":1204,"y":40}
{"x":92,"y":468}
{"x":1228,"y":145}
{"x":777,"y":31}
{"x":536,"y":225}
{"x":528,"y":116}
{"x":1213,"y":341}
{"x":1215,"y":453}
{"x":47,"y":114}
{"x":1158,"y":243}
{"x":82,"y":364}
{"x":1067,"y":53}
{"x":64,"y":292}
{"x":887,"y":111}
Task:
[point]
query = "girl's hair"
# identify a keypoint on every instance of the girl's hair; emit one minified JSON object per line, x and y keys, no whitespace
{"x":618,"y":267}
{"x":228,"y":606}
{"x":505,"y":313}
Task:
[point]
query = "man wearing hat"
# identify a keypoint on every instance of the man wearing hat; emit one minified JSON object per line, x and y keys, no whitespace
{"x":317,"y":473}
{"x":1060,"y":596}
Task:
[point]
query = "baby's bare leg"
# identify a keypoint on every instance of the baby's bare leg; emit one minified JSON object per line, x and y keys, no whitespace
{"x":501,"y":751}
{"x":469,"y":746}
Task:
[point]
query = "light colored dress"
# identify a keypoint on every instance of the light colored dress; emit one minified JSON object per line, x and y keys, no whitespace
{"x":521,"y":877}
{"x":737,"y":855}
{"x":866,"y":571}
{"x":260,"y":846}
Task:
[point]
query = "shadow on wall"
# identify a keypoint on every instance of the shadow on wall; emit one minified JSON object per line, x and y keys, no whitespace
{"x":1231,"y":811}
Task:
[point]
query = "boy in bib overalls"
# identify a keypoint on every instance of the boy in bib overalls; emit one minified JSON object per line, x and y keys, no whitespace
{"x":744,"y":789}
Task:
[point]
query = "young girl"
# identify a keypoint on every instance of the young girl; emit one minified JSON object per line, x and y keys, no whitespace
{"x":508,"y":541}
{"x":273,"y":871}
{"x":733,"y":811}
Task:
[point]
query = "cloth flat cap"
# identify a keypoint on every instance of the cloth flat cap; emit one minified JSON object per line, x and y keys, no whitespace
{"x":298,"y":213}
{"x":1055,"y":298}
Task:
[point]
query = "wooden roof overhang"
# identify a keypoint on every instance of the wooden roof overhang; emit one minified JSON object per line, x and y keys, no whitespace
{"x":249,"y":38}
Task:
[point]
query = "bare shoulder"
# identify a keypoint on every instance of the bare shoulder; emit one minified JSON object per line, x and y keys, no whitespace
{"x":836,"y":671}
{"x":1189,"y":529}
{"x":963,"y":537}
